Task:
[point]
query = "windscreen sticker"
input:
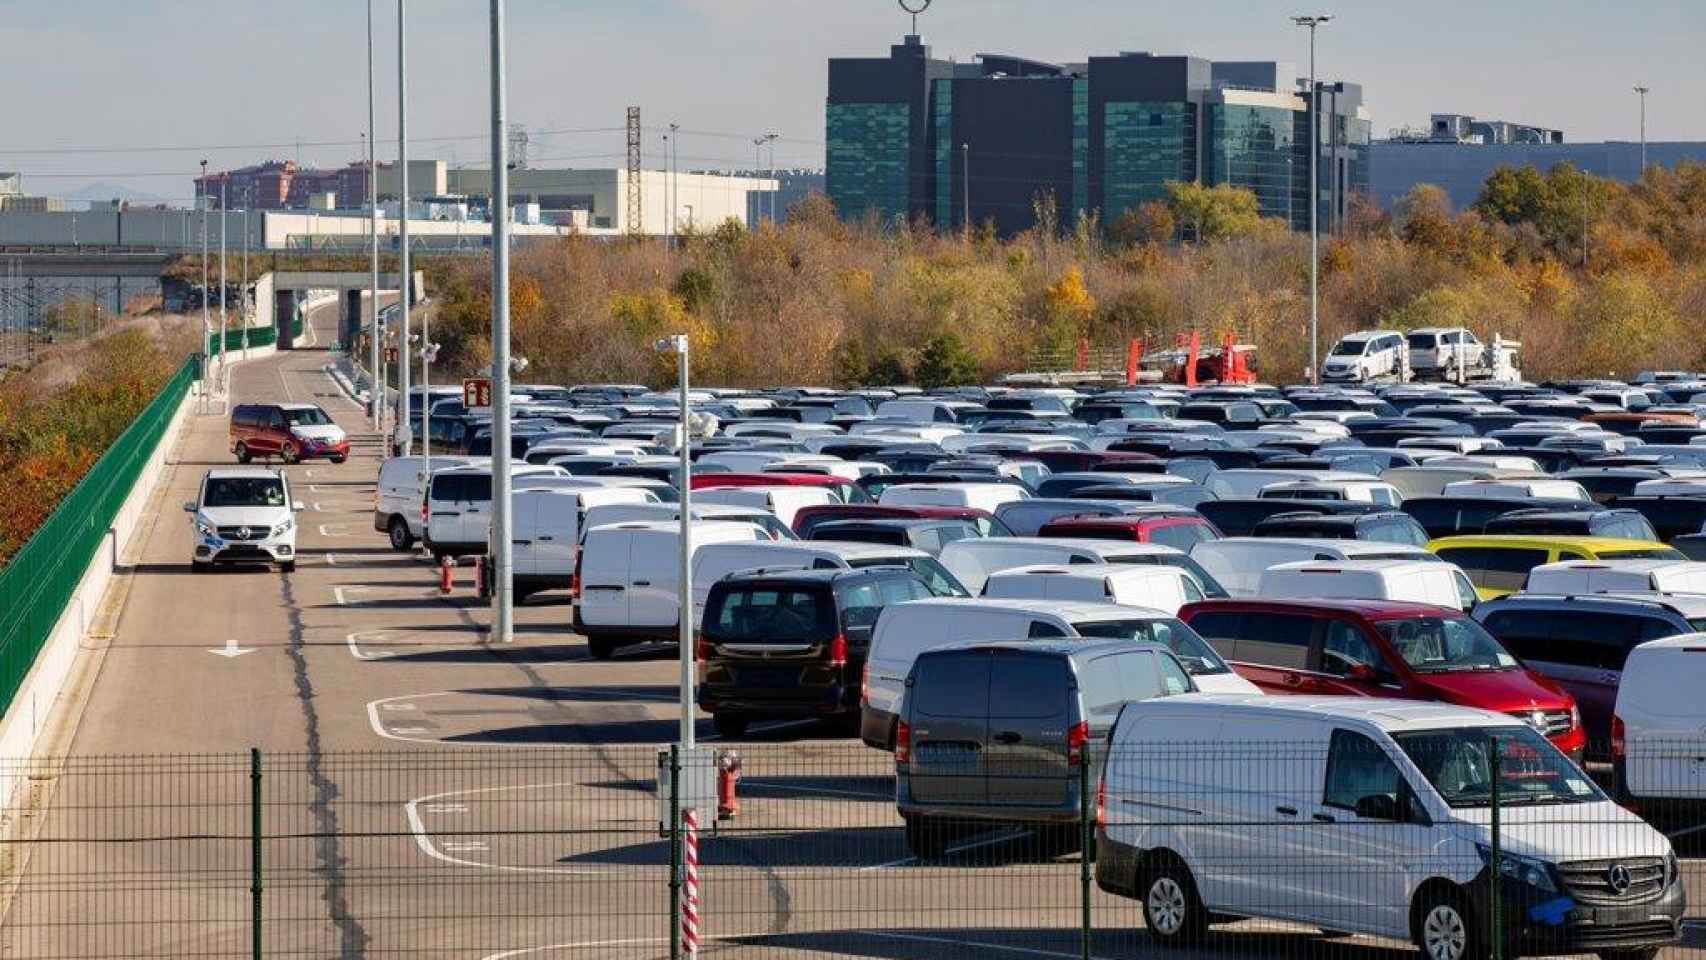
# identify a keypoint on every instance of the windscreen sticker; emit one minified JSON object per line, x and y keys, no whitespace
{"x":1579,"y":787}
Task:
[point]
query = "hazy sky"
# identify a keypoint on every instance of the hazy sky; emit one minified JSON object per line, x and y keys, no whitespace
{"x":143,"y":89}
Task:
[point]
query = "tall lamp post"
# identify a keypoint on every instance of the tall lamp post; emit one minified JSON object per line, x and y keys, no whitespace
{"x":1313,"y":22}
{"x":1643,"y":91}
{"x":403,"y":278}
{"x":206,"y":318}
{"x":503,"y":579}
{"x":376,"y":394}
{"x":771,"y":138}
{"x":678,"y":343}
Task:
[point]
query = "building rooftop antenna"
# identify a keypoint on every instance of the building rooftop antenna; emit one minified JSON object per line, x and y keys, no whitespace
{"x":914,"y":7}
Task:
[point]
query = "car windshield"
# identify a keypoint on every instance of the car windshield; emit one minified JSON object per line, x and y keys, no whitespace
{"x":307,"y":417}
{"x":1445,"y":644}
{"x":934,"y":575}
{"x":1211,"y":587}
{"x":1531,"y":770}
{"x":1349,"y":348}
{"x":1191,"y":649}
{"x":244,"y":492}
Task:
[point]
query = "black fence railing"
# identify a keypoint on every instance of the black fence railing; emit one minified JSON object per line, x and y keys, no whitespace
{"x":1278,"y":850}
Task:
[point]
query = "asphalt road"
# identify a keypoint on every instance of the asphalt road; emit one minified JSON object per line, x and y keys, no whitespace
{"x":427,"y":793}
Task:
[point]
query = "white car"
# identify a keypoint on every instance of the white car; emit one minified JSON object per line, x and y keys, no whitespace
{"x":243,"y":514}
{"x":1658,"y":732}
{"x":1367,"y":355}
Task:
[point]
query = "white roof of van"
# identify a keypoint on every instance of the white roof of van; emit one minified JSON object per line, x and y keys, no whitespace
{"x":1125,"y":548}
{"x":1681,"y":641}
{"x":1385,"y":565}
{"x":1390,"y":715}
{"x":1091,"y":571}
{"x":1349,"y":548}
{"x":1069,"y":609}
{"x":848,"y":551}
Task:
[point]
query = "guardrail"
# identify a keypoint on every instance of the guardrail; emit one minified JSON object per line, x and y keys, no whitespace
{"x":44,"y":573}
{"x":258,"y":337}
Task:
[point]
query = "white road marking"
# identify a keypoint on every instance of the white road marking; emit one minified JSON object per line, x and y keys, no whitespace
{"x":405,"y":730}
{"x":920,"y":938}
{"x":466,"y":846}
{"x":355,"y":647}
{"x":957,"y":848}
{"x":423,"y":837}
{"x":326,"y":532}
{"x":882,"y":934}
{"x":374,"y":707}
{"x":444,"y":809}
{"x":863,"y":795}
{"x":231,"y":651}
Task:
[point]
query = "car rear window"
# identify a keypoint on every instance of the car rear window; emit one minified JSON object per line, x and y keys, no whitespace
{"x":1655,"y":553}
{"x":1028,"y":686}
{"x":951,"y":685}
{"x":1181,"y":536}
{"x":1495,"y":568}
{"x":1210,"y":586}
{"x":935,"y":576}
{"x":770,"y":615}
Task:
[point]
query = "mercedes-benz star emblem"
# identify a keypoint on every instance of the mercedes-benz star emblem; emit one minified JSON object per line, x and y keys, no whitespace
{"x":242,"y":533}
{"x":1619,"y":878}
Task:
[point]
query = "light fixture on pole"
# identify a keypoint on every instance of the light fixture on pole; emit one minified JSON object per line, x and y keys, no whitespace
{"x":1313,"y":22}
{"x":679,"y":344}
{"x":1643,"y":91}
{"x":503,"y":525}
{"x":771,"y":138}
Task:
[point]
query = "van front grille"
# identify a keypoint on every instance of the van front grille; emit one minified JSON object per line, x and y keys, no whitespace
{"x":1549,"y":722}
{"x":1598,"y":881}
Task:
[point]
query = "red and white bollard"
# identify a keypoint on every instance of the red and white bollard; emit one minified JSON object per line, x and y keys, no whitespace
{"x":446,"y":574}
{"x":690,"y":884}
{"x":728,"y":775}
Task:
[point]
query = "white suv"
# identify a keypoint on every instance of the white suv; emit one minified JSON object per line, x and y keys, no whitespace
{"x":244,"y":513}
{"x":1367,"y":355}
{"x":1445,"y":353}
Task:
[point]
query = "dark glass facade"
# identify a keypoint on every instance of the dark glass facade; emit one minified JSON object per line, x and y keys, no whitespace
{"x":868,"y":146}
{"x":942,"y":110}
{"x":1145,"y":146}
{"x":1255,"y":147}
{"x":1080,"y":146}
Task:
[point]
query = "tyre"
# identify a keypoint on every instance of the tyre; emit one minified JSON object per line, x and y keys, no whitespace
{"x":730,"y":725}
{"x":600,"y":647}
{"x":287,"y":566}
{"x":1446,"y":928}
{"x":925,"y":838}
{"x":338,"y":459}
{"x":242,"y":451}
{"x":200,"y":566}
{"x":1172,"y":911}
{"x":402,"y":540}
{"x":290,"y":454}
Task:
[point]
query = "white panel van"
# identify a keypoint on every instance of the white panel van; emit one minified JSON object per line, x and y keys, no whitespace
{"x":783,"y":501}
{"x":974,"y":560}
{"x":1416,"y":581}
{"x":401,"y":488}
{"x":1615,"y":575}
{"x":1239,"y":562}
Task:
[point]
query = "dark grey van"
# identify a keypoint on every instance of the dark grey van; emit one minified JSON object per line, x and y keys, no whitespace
{"x":996,"y":732}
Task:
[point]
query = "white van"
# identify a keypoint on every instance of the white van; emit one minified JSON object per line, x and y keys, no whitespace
{"x":660,"y":512}
{"x":982,"y":496}
{"x":904,"y":630}
{"x":1671,"y":487}
{"x":546,"y":528}
{"x":1517,"y":489}
{"x":1153,"y":587}
{"x":1371,"y":816}
{"x":1663,"y":725}
{"x":1244,"y":482}
{"x":972,"y":561}
{"x":714,"y":562}
{"x":630,"y":576}
{"x":1355,"y":491}
{"x":783,"y":501}
{"x":401,"y":488}
{"x":1367,"y":355}
{"x":458,"y":504}
{"x":1441,"y":584}
{"x":1239,"y":562}
{"x":1430,"y":479}
{"x":1614,"y":575}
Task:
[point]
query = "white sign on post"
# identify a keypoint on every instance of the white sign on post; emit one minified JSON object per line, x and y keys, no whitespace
{"x":698,"y":784}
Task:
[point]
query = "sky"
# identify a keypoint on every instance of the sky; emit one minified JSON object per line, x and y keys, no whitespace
{"x":137,"y":92}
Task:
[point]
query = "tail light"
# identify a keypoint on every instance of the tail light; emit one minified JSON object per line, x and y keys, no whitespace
{"x":1619,"y":743}
{"x":424,"y":509}
{"x":575,"y":579}
{"x":902,"y":742}
{"x":701,"y":648}
{"x":865,"y":685}
{"x":838,"y":650}
{"x":1102,"y":803}
{"x":1076,"y":738}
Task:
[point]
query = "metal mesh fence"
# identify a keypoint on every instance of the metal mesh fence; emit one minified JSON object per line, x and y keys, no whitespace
{"x":1233,"y":849}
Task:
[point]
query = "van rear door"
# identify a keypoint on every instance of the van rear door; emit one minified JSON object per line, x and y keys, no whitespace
{"x":444,"y":508}
{"x":948,"y":709}
{"x":1025,"y":758}
{"x":604,"y":577}
{"x":652,"y":578}
{"x":524,"y":534}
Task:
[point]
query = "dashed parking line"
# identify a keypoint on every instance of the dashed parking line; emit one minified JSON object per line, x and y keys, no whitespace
{"x":423,"y":838}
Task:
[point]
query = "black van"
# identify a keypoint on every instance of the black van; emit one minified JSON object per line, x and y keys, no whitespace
{"x":792,"y":643}
{"x":997,"y":731}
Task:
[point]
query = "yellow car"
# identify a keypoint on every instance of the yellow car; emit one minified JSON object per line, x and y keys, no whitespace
{"x":1498,"y":564}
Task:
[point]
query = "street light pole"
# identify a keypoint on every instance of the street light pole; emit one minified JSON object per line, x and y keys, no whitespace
{"x":1312,"y":22}
{"x":1643,"y":90}
{"x":771,"y":139}
{"x":403,"y":278}
{"x":503,"y":579}
{"x":224,"y":180}
{"x":684,"y":599}
{"x":206,"y":317}
{"x":376,"y":395}
{"x":674,"y":184}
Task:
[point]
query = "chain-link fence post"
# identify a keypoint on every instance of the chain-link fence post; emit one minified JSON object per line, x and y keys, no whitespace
{"x":255,"y":853}
{"x":675,"y":852}
{"x":1496,"y":864}
{"x":1087,"y":841}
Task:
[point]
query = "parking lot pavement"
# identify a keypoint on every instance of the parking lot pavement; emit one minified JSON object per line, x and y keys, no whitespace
{"x":427,"y":792}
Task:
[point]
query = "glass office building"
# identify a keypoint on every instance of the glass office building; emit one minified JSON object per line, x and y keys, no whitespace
{"x":1255,"y":146}
{"x":868,"y":146}
{"x":1145,"y":145}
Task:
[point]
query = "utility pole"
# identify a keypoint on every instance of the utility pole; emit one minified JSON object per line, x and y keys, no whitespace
{"x":1643,"y":91}
{"x":504,"y":572}
{"x":243,"y":290}
{"x":758,"y":172}
{"x":771,"y":139}
{"x":376,"y":394}
{"x":668,"y":219}
{"x":1313,"y":22}
{"x":206,"y":318}
{"x":404,"y":281}
{"x":224,"y":181}
{"x":965,"y":187}
{"x":674,"y":184}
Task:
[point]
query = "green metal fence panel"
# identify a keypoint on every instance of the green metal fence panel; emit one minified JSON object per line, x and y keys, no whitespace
{"x":37,"y":584}
{"x":258,"y":337}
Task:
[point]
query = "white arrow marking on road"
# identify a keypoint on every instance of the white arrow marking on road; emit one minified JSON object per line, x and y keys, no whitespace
{"x":231,"y":650}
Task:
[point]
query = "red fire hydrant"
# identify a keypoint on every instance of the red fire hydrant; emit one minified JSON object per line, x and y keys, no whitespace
{"x":728,"y":774}
{"x":446,"y":574}
{"x":482,"y":584}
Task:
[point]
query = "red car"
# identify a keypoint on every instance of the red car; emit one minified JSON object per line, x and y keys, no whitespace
{"x":808,"y":517}
{"x":290,"y":431}
{"x":1181,"y":531}
{"x":1382,"y":648}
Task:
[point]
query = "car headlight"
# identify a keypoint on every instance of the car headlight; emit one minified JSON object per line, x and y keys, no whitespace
{"x":1673,"y":869}
{"x":203,"y":527}
{"x":1535,"y":873}
{"x":283,"y":528}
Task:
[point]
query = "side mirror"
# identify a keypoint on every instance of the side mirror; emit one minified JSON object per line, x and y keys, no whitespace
{"x":189,"y":506}
{"x":1377,"y":806}
{"x":296,"y":506}
{"x":1362,"y":673}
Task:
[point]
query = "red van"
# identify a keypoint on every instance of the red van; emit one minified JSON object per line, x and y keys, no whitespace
{"x":1381,"y":648}
{"x":290,"y":431}
{"x":1179,"y":530}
